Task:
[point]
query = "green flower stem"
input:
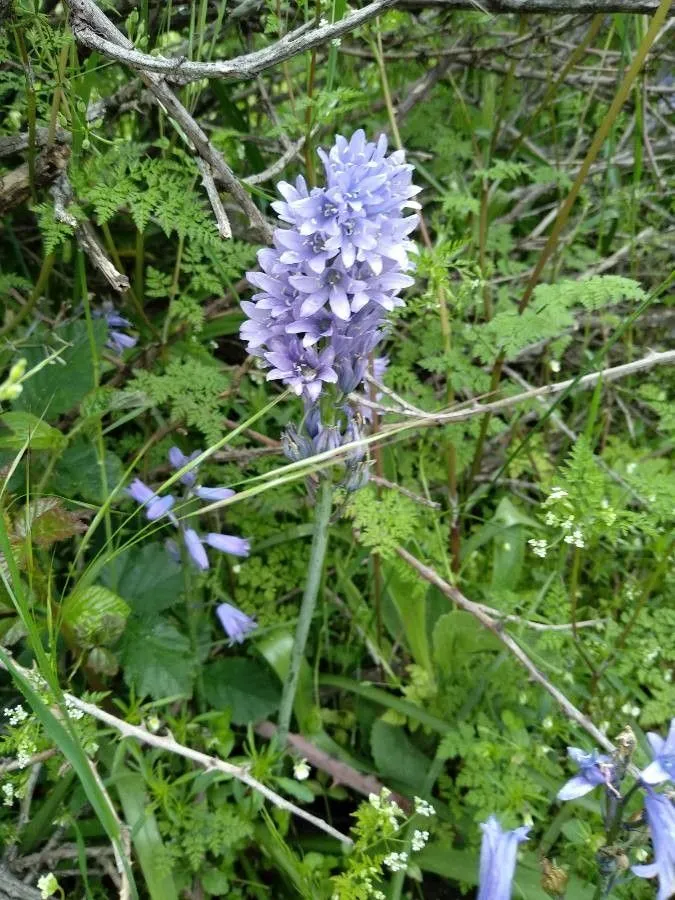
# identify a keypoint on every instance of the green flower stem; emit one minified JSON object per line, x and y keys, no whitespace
{"x":307,"y":607}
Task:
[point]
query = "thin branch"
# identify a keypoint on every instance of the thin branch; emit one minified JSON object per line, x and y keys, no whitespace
{"x":340,"y":772}
{"x":87,"y":11}
{"x":478,"y":612}
{"x":393,"y":486}
{"x":12,"y":765}
{"x":86,"y":21}
{"x":85,"y":235}
{"x":538,"y":626}
{"x":210,"y":763}
{"x":222,"y":222}
{"x":586,"y":381}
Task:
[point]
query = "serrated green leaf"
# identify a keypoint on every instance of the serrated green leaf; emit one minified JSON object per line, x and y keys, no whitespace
{"x":95,"y":615}
{"x":46,"y":521}
{"x":148,"y":579}
{"x":78,"y":474}
{"x":158,"y":661}
{"x":19,"y":428}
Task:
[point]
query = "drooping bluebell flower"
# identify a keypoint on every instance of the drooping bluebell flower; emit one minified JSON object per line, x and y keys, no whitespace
{"x":661,"y":819}
{"x":663,"y":767}
{"x":236,"y":624}
{"x":594,"y":769}
{"x":156,"y":507}
{"x":117,"y":340}
{"x":333,"y":274}
{"x":498,"y":860}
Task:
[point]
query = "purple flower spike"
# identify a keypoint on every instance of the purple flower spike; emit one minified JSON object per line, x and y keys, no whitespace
{"x":196,"y":549}
{"x":498,"y":860}
{"x":594,"y":768}
{"x":228,"y":543}
{"x":663,"y":766}
{"x":236,"y":624}
{"x":213,"y":493}
{"x":661,"y":818}
{"x":336,"y":270}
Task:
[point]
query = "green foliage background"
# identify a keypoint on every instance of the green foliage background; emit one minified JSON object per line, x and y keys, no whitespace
{"x":397,"y":683}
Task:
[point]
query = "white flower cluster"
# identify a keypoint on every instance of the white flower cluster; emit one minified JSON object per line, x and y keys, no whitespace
{"x":419,"y":840}
{"x":8,"y":791}
{"x":539,"y":547}
{"x":396,"y":862}
{"x":25,"y":752}
{"x":47,"y":885}
{"x":74,"y":712}
{"x":16,"y":714}
{"x":576,"y":539}
{"x":301,"y":770}
{"x":390,"y":810}
{"x":422,"y":808}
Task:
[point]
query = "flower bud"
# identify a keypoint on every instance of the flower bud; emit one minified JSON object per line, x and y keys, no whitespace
{"x":553,"y":878}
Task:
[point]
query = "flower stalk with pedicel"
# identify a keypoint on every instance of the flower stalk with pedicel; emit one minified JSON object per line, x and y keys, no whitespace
{"x":324,"y":290}
{"x":236,"y":624}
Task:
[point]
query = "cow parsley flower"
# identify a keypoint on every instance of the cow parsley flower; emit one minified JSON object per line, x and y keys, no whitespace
{"x":325,"y":287}
{"x":498,"y":860}
{"x":661,"y":819}
{"x":663,"y":767}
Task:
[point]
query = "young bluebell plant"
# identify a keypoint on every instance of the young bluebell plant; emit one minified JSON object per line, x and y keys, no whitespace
{"x":498,"y":859}
{"x":235,"y":623}
{"x":327,"y":284}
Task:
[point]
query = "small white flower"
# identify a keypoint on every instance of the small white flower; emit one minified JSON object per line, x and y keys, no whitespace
{"x":422,"y":808}
{"x":539,"y":548}
{"x":576,"y":539}
{"x":631,"y":467}
{"x":547,"y":724}
{"x":336,"y":42}
{"x":16,"y":715}
{"x":551,"y":519}
{"x":557,"y":493}
{"x":397,"y":862}
{"x":301,"y":770}
{"x":47,"y":885}
{"x":641,"y":854}
{"x":568,"y":524}
{"x":8,"y":791}
{"x":555,"y":366}
{"x":378,"y":895}
{"x":74,"y":712}
{"x":635,"y":712}
{"x":323,"y":21}
{"x":419,"y":840}
{"x":154,"y":723}
{"x":625,"y":709}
